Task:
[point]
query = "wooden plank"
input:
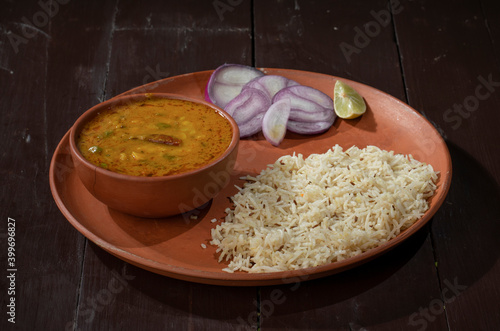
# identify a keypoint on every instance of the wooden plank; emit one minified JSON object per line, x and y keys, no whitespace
{"x":188,"y":37}
{"x":87,"y":52}
{"x":465,"y":234}
{"x":388,"y":293}
{"x":116,"y":295}
{"x":448,"y":79}
{"x":323,"y":37}
{"x":491,"y":10}
{"x":464,"y":81}
{"x":355,"y":41}
{"x":56,"y":79}
{"x":48,"y":250}
{"x":174,"y":38}
{"x":75,"y":82}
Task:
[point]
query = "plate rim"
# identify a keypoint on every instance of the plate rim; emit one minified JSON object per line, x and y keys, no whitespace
{"x":242,"y":278}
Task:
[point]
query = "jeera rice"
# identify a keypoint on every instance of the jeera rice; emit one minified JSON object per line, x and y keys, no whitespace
{"x":299,"y":213}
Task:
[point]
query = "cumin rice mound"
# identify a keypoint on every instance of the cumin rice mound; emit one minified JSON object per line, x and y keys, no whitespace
{"x":301,"y":213}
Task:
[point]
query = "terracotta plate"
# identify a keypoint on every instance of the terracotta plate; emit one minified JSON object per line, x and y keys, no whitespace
{"x":173,"y":246}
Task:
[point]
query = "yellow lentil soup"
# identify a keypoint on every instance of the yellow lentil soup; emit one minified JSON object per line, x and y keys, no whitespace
{"x":155,"y":137}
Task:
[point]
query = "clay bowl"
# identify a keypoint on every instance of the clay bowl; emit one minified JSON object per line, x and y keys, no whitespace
{"x":153,"y":197}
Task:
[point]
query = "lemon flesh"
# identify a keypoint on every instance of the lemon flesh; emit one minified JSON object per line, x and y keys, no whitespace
{"x":347,"y":102}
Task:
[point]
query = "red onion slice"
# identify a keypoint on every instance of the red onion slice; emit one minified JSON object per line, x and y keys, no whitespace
{"x":270,"y":84}
{"x":305,"y":98}
{"x":226,"y":82}
{"x":303,"y":92}
{"x":252,"y":126}
{"x":248,"y":104}
{"x":275,"y":120}
{"x":270,"y":103}
{"x":304,"y":116}
{"x":308,"y":127}
{"x":307,"y":104}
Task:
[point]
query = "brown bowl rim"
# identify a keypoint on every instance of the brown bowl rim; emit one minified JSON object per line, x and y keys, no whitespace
{"x":94,"y":110}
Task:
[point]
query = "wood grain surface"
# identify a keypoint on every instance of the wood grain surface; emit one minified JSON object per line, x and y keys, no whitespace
{"x":59,"y":58}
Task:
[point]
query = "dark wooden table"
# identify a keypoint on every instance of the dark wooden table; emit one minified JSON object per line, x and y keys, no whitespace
{"x":59,"y":58}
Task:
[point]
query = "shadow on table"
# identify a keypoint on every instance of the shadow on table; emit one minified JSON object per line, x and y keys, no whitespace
{"x":239,"y":305}
{"x":466,"y":238}
{"x":231,"y":307}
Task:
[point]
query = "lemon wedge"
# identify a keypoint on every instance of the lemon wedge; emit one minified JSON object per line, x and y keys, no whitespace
{"x":347,"y":102}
